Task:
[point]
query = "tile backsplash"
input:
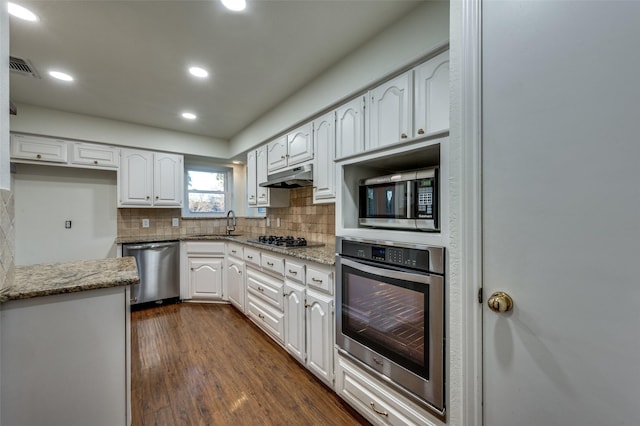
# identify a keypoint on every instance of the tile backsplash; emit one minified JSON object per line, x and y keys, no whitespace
{"x":302,"y":218}
{"x":7,"y":237}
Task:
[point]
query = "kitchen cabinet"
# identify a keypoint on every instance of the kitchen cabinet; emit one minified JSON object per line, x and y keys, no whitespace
{"x":259,"y":196}
{"x":148,"y":179}
{"x":38,"y":149}
{"x":294,"y":148}
{"x":265,"y":303}
{"x":375,"y":400}
{"x":93,"y":155}
{"x":235,"y":276}
{"x":324,"y":168}
{"x":432,"y":95}
{"x":390,"y":110}
{"x":295,"y":311}
{"x":350,"y":125}
{"x":203,"y":270}
{"x":319,"y":324}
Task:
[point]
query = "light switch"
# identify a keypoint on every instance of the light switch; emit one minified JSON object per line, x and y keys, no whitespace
{"x":145,"y":223}
{"x":175,"y":222}
{"x":67,"y":224}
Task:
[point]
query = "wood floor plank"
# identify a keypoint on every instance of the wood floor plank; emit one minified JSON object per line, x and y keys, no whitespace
{"x":207,"y":364}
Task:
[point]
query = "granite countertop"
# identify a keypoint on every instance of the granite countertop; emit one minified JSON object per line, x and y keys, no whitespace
{"x":70,"y":277}
{"x":324,"y":255}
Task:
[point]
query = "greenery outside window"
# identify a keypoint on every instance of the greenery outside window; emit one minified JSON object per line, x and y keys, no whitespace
{"x":207,"y":191}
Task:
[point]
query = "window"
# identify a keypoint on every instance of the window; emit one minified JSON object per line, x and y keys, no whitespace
{"x":207,"y":191}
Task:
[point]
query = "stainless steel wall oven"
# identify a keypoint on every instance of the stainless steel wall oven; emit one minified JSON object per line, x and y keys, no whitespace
{"x":390,"y":314}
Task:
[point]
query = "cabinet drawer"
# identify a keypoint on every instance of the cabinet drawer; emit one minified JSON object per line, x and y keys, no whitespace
{"x":235,"y":250}
{"x":294,"y":271}
{"x":252,"y":256}
{"x":205,"y":247}
{"x":373,"y":401}
{"x":38,"y":149}
{"x":267,"y":318}
{"x":266,"y":288}
{"x":273,"y":264}
{"x":95,"y":155}
{"x":321,"y":280}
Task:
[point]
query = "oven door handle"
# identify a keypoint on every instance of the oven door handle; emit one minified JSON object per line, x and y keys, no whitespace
{"x":390,"y":273}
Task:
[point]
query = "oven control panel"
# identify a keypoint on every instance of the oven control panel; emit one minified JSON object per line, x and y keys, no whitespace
{"x":413,"y":258}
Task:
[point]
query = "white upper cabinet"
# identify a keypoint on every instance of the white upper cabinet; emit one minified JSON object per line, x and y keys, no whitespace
{"x":390,"y":112}
{"x":324,"y":168}
{"x":148,"y":179}
{"x":252,"y":179}
{"x":294,"y":148}
{"x":259,"y":196}
{"x":36,"y":148}
{"x":350,"y":128}
{"x":432,"y":95}
{"x":94,"y":155}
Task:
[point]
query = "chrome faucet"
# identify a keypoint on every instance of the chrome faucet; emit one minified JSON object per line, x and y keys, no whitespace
{"x":231,"y":226}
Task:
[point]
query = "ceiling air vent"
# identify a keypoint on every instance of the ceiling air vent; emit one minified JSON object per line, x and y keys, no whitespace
{"x":22,"y":67}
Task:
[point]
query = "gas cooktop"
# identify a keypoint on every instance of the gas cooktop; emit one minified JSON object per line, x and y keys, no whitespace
{"x":285,"y":242}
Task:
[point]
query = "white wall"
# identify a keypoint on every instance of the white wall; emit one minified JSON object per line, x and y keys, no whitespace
{"x":48,"y":122}
{"x":46,"y":196}
{"x":5,"y":180}
{"x":425,"y":29}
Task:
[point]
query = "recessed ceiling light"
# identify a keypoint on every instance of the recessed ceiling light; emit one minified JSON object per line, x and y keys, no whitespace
{"x":60,"y":75}
{"x":237,"y":162}
{"x":199,"y":72}
{"x":235,"y":5}
{"x":189,"y":115}
{"x":21,"y":12}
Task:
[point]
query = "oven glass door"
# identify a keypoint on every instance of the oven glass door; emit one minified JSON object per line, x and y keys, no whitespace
{"x":388,"y":311}
{"x":384,"y":201}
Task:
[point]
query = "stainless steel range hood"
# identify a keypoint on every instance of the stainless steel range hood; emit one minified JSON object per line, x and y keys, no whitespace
{"x":292,"y":178}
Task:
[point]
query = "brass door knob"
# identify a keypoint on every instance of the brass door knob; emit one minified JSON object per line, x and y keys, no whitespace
{"x":500,"y":302}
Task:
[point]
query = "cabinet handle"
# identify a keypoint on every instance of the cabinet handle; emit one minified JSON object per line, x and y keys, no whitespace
{"x":404,"y":136}
{"x":249,"y":257}
{"x":293,"y":272}
{"x":233,"y":251}
{"x":261,"y":289}
{"x":262,"y":196}
{"x":252,"y":197}
{"x":261,"y":316}
{"x":38,"y":156}
{"x":95,"y":161}
{"x":269,"y":264}
{"x":133,"y":299}
{"x":382,"y":413}
{"x":421,"y":131}
{"x":315,"y":280}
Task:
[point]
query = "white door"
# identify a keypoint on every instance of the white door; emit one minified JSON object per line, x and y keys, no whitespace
{"x":276,"y":155}
{"x":350,"y":128}
{"x":324,"y":168}
{"x":235,"y":283}
{"x":168,"y":179}
{"x":561,"y":212}
{"x":135,"y":178}
{"x":294,"y":320}
{"x":390,"y":109}
{"x":320,"y":336}
{"x":300,"y":145}
{"x":205,"y":275}
{"x":252,"y":179}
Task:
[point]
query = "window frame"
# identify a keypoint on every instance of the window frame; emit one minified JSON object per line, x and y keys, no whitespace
{"x":227,"y":193}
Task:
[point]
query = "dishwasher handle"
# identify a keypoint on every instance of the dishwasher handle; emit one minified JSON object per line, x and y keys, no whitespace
{"x":150,"y":245}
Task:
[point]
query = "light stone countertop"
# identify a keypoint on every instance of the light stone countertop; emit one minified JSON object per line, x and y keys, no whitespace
{"x":69,"y":277}
{"x":324,"y":255}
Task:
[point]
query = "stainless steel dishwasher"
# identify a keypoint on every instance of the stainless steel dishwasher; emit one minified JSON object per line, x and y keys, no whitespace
{"x":159,"y":270}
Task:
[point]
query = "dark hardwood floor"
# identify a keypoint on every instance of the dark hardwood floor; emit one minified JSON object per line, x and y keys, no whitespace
{"x":205,"y":364}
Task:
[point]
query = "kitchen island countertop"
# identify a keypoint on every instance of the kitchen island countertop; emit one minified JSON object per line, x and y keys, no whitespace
{"x":69,"y":277}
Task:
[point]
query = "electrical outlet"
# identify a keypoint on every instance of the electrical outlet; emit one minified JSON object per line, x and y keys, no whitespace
{"x":175,"y":222}
{"x":268,"y":222}
{"x":67,"y":224}
{"x":278,"y":222}
{"x":145,"y":223}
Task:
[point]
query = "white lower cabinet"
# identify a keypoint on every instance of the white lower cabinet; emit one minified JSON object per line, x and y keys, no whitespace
{"x":266,"y":317}
{"x":234,"y":279}
{"x":319,"y":309}
{"x":374,"y":400}
{"x":294,"y":314}
{"x":205,"y":277}
{"x":265,"y":303}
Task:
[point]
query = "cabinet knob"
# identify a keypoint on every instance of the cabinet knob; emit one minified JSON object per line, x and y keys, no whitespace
{"x":282,"y":157}
{"x":133,"y":299}
{"x":157,"y":197}
{"x":95,"y":161}
{"x":262,"y":196}
{"x":148,"y":197}
{"x":193,"y":269}
{"x":252,"y":197}
{"x":404,"y":136}
{"x":421,"y":131}
{"x":38,"y":156}
{"x":306,"y":305}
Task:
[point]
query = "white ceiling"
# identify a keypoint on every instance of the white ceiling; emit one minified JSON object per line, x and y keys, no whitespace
{"x":130,"y":58}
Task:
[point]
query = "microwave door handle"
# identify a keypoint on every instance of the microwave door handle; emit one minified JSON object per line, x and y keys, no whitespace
{"x":387,"y":273}
{"x":410,"y":214}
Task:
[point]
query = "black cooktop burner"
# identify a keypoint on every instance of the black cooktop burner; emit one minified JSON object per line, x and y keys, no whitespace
{"x":286,"y":242}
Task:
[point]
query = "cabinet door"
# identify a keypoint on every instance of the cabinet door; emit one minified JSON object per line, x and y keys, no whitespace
{"x":94,"y":155}
{"x":350,"y":128}
{"x":38,"y":149}
{"x":168,"y":180}
{"x":320,"y":335}
{"x":261,"y":173}
{"x":235,"y":284}
{"x":294,"y":320}
{"x":252,"y":179}
{"x":276,"y":155}
{"x":135,"y":178}
{"x":390,"y":112}
{"x":300,"y":145}
{"x":205,"y":277}
{"x":432,"y":95}
{"x":324,"y":168}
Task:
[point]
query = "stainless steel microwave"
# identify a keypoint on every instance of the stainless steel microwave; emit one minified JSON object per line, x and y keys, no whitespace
{"x":407,"y":200}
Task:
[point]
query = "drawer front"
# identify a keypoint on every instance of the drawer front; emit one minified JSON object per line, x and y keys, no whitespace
{"x":235,"y":250}
{"x":321,"y":280}
{"x":294,"y":271}
{"x":252,"y":256}
{"x":95,"y":155}
{"x":200,"y":247}
{"x":267,"y":318}
{"x":266,"y":288}
{"x":273,"y":264}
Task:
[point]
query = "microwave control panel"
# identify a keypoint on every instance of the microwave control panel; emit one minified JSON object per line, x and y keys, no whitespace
{"x":425,"y":198}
